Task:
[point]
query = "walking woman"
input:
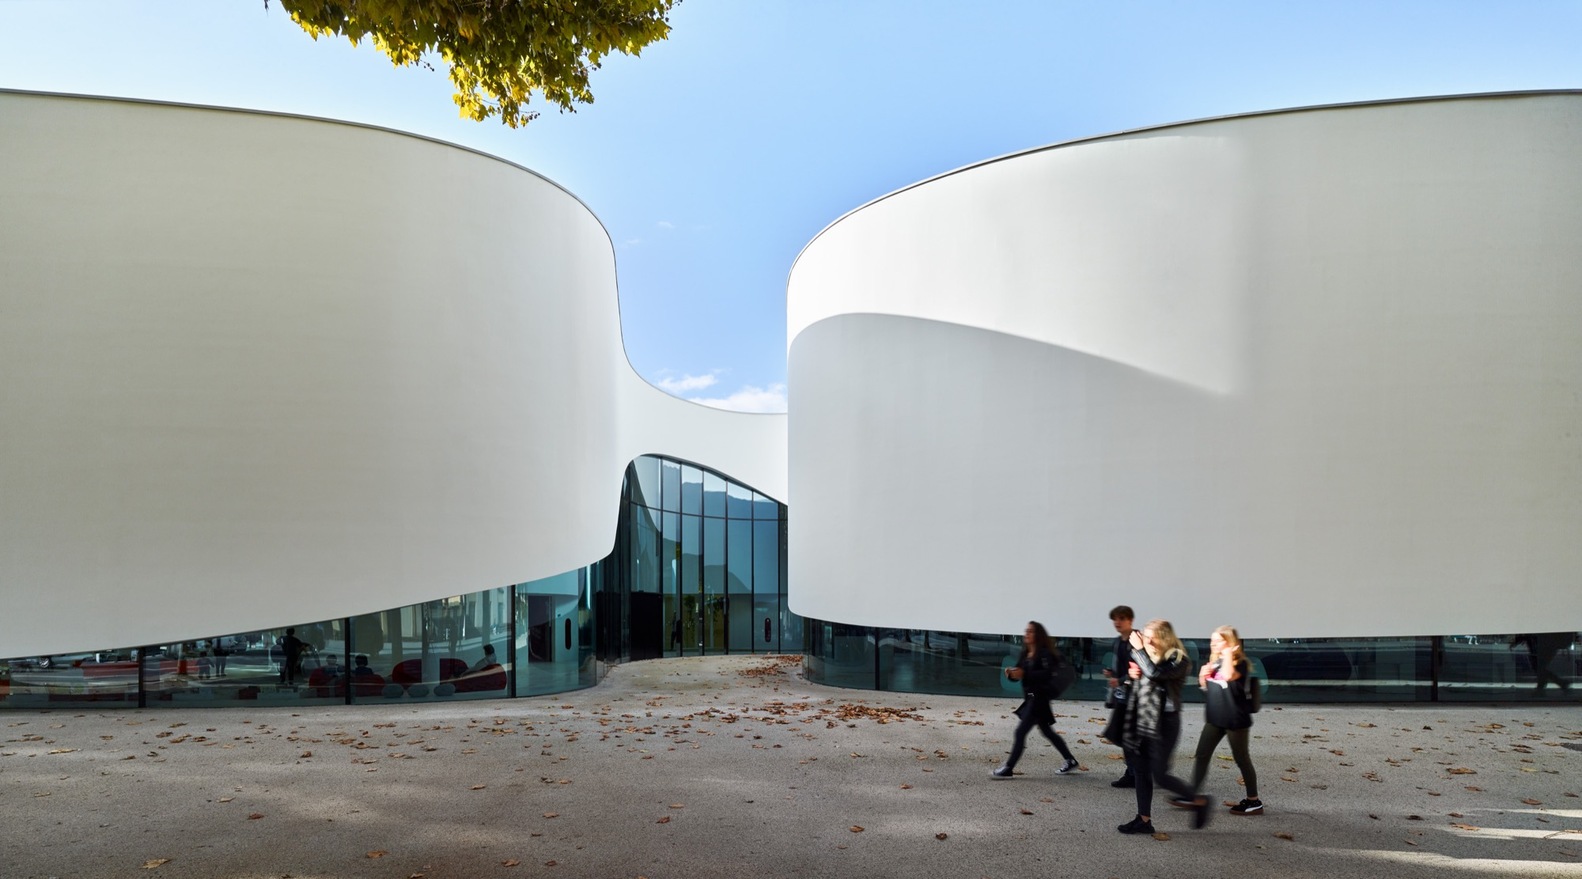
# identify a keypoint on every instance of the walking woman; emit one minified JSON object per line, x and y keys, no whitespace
{"x":1224,"y":681}
{"x":1036,"y":670}
{"x":1153,"y":722}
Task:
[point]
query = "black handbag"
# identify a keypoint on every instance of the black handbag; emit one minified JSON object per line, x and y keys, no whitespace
{"x":1118,"y":695}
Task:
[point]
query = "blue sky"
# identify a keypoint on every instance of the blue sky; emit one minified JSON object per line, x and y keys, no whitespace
{"x":718,"y":154}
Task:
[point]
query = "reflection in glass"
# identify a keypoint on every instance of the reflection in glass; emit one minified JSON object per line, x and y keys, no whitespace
{"x":765,"y":507}
{"x":722,"y":580}
{"x":104,"y":678}
{"x":547,"y":611}
{"x":738,"y":501}
{"x":643,"y":487}
{"x":670,"y":479}
{"x":691,"y":490}
{"x":713,"y":495}
{"x":449,"y":648}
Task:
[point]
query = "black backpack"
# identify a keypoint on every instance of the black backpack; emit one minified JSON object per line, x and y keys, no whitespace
{"x":1064,"y":676}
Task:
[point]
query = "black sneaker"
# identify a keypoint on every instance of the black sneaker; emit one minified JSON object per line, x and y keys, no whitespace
{"x":1247,"y":807}
{"x":1002,"y":772}
{"x":1183,"y":802}
{"x":1068,"y":767}
{"x":1124,"y":781}
{"x":1137,"y":825}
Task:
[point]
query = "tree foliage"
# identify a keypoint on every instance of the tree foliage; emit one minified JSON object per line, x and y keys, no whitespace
{"x":499,"y":51}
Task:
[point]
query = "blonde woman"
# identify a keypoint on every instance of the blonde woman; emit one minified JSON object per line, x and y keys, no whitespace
{"x":1157,"y":670}
{"x":1226,"y":699}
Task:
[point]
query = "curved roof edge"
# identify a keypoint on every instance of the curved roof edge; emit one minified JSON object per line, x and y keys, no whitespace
{"x":1091,"y":138}
{"x":185,"y":105}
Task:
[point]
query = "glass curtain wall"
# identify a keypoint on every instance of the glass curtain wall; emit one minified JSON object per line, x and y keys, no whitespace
{"x":1451,"y":668}
{"x":707,"y":557}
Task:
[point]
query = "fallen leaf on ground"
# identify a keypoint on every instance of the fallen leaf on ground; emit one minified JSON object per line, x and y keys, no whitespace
{"x":1162,"y":836}
{"x":551,"y":814}
{"x":1532,"y":802}
{"x":664,"y":820}
{"x":512,"y":862}
{"x":1460,"y":826}
{"x":151,"y":863}
{"x":376,"y":853}
{"x":1283,"y":835}
{"x":255,"y":816}
{"x":857,"y":829}
{"x":478,"y":787}
{"x":941,"y":835}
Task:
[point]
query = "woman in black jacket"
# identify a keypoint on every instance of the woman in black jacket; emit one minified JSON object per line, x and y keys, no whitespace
{"x":1036,"y":670}
{"x":1226,"y":699}
{"x":1153,"y":722}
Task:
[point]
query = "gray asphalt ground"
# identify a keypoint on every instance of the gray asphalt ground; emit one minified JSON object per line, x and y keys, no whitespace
{"x":735,"y":766}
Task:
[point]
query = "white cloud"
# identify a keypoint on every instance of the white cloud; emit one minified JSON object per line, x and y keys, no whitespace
{"x":679,"y":386}
{"x":665,"y":224}
{"x":749,"y":399}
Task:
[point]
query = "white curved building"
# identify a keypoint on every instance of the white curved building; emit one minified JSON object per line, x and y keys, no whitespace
{"x":255,"y":364}
{"x":1313,"y":372}
{"x":282,"y":395}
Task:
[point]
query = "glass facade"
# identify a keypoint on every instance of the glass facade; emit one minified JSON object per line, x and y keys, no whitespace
{"x":707,"y":557}
{"x":699,"y":568}
{"x":693,"y":549}
{"x":1458,"y":668}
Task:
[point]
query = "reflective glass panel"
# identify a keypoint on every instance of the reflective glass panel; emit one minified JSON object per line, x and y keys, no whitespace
{"x":644,"y":488}
{"x":766,"y":624}
{"x":739,"y":556}
{"x":449,"y":648}
{"x":691,"y":490}
{"x":546,"y":663}
{"x":670,"y":477}
{"x":765,"y":507}
{"x":1540,"y":666}
{"x":297,"y":664}
{"x":738,"y":501}
{"x":103,"y":678}
{"x":669,"y":552}
{"x":923,"y":661}
{"x":840,"y":655}
{"x":645,"y":549}
{"x":713,"y":495}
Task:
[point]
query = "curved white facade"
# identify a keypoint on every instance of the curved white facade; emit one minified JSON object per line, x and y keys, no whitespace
{"x":1311,"y":373}
{"x":255,"y":367}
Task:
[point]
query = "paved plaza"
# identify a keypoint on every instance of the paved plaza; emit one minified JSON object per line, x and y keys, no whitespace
{"x":737,"y":767}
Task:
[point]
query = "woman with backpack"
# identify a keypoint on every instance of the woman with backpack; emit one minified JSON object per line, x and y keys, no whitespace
{"x":1229,"y":699}
{"x":1157,"y":669}
{"x":1036,"y":668}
